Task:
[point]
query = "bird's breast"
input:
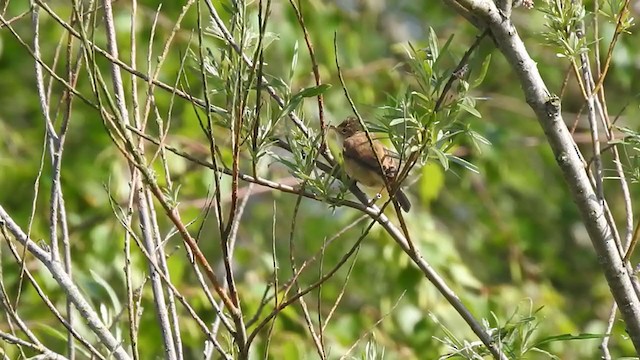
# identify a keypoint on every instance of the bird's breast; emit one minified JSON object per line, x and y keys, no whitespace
{"x":362,"y":174}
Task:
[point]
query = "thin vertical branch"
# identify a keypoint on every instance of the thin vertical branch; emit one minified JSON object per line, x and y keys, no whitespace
{"x":314,"y":65}
{"x":238,"y":105}
{"x":73,"y":72}
{"x":233,"y":237}
{"x":170,"y":287}
{"x":586,"y":79}
{"x":616,"y":35}
{"x":275,"y":265}
{"x":52,"y":137}
{"x":143,"y":197}
{"x":604,"y":114}
{"x":133,"y":180}
{"x":55,"y":145}
{"x":208,"y":127}
{"x":150,"y":103}
{"x":604,"y":345}
{"x":258,"y":70}
{"x":303,"y":305}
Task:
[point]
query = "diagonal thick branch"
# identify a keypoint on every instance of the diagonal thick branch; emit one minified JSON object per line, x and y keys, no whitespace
{"x":65,"y":282}
{"x":547,"y":109}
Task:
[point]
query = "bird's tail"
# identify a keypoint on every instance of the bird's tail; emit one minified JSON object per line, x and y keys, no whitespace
{"x":403,"y":200}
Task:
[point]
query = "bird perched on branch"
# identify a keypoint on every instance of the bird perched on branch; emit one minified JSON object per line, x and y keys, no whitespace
{"x":366,"y":164}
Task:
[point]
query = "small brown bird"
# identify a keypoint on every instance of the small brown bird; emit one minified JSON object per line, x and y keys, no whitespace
{"x":361,"y":160}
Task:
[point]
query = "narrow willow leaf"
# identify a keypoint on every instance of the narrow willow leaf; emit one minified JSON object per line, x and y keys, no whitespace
{"x":483,"y":72}
{"x":566,"y":337}
{"x":298,"y":97}
{"x":464,"y":163}
{"x":470,"y":109}
{"x":442,"y":157}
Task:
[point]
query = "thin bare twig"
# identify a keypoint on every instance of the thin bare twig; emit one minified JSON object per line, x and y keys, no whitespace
{"x":604,"y":345}
{"x":44,"y":352}
{"x":294,"y":298}
{"x":134,"y":179}
{"x":303,"y":305}
{"x":167,"y":281}
{"x":233,"y":237}
{"x":145,"y":206}
{"x":346,"y":354}
{"x":314,"y":65}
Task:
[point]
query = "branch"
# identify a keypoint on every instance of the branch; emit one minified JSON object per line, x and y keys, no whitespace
{"x":145,"y":205}
{"x":547,"y":109}
{"x":68,"y":286}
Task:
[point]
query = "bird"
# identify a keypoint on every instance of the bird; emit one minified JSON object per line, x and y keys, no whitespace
{"x":366,"y":164}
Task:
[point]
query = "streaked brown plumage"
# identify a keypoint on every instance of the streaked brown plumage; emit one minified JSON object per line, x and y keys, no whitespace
{"x":361,"y":163}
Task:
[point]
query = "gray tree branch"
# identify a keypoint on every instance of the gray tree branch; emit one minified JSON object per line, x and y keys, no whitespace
{"x":547,"y":109}
{"x":58,"y":272}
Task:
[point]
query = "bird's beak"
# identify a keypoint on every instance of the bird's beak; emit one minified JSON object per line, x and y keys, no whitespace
{"x":334,"y":140}
{"x":334,"y":129}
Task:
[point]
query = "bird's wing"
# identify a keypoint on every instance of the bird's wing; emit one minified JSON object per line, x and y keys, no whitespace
{"x":355,"y":148}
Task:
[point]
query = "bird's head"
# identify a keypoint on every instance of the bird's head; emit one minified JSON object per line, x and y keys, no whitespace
{"x":348,"y":127}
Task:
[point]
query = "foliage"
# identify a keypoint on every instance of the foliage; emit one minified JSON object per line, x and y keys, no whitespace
{"x":491,"y":213}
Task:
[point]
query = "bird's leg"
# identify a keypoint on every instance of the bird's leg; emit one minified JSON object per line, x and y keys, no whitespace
{"x":379,"y":193}
{"x":375,"y":198}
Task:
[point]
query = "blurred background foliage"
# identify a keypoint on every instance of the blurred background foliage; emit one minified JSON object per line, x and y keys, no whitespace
{"x":508,"y":239}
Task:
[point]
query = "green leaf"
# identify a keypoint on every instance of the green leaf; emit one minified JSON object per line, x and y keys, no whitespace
{"x":422,"y":97}
{"x":483,"y":72}
{"x":294,"y":61}
{"x":470,"y":109}
{"x":297,"y":98}
{"x":566,"y":337}
{"x":313,"y":91}
{"x":443,"y":51}
{"x":433,"y":43}
{"x":464,"y":163}
{"x":289,"y":164}
{"x":115,"y":302}
{"x":479,"y":138}
{"x":446,"y":137}
{"x":397,"y":121}
{"x":442,"y":157}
